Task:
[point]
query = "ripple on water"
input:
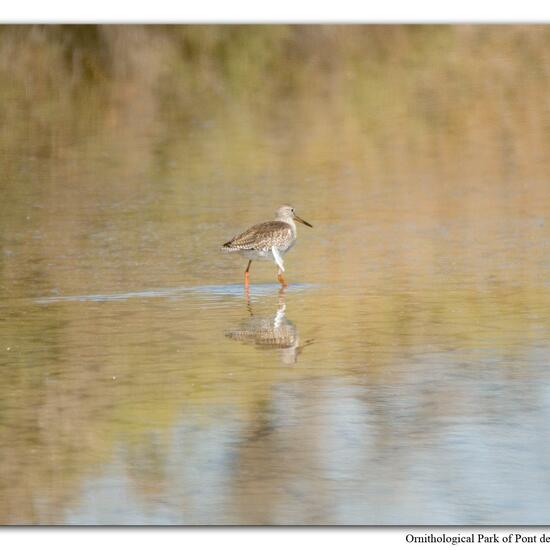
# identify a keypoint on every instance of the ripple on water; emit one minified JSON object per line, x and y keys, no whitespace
{"x":208,"y":291}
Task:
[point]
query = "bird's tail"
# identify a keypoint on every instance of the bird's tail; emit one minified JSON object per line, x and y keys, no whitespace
{"x":226,"y":247}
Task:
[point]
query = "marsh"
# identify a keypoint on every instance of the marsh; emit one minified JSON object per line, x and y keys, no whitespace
{"x":413,"y":383}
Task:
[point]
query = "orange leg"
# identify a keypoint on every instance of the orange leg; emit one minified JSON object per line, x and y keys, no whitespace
{"x":246,"y":277}
{"x":281,"y":279}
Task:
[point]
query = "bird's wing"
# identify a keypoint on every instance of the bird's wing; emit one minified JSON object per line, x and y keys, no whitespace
{"x":261,"y":237}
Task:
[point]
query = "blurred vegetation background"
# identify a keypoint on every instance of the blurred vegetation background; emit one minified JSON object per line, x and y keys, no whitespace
{"x":451,"y":77}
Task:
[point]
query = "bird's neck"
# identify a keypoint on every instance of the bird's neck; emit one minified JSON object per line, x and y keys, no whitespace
{"x":290,"y":222}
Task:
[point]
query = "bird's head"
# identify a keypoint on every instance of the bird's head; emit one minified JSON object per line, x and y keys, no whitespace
{"x":287,"y":212}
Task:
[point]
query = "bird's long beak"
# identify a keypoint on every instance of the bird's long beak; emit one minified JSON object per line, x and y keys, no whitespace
{"x":298,"y":219}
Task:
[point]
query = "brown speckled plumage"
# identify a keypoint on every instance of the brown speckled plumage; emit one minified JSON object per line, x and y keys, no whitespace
{"x":262,"y":237}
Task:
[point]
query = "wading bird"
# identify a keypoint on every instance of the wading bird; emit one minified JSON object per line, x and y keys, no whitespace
{"x":267,"y":241}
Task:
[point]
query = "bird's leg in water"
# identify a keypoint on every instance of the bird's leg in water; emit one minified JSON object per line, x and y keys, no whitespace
{"x":281,"y":279}
{"x":246,"y":277}
{"x":280,"y":265}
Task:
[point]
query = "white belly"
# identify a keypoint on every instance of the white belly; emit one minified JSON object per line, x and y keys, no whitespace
{"x":265,"y":255}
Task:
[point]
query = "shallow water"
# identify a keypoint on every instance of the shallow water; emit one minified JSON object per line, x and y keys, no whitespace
{"x":402,"y":378}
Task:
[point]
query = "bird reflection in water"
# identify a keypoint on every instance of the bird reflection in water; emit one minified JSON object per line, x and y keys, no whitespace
{"x":271,"y":332}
